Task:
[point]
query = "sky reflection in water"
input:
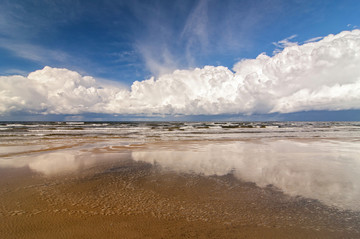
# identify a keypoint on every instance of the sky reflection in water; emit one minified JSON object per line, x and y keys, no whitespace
{"x":326,"y":170}
{"x":58,"y":162}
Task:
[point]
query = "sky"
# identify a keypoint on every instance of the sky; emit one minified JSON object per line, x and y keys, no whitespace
{"x":179,"y":60}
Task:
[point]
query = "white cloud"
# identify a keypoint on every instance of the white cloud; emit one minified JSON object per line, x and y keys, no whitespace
{"x":284,"y":43}
{"x":52,"y":90}
{"x":315,"y":39}
{"x":195,"y":30}
{"x":322,"y":75}
{"x":33,"y":52}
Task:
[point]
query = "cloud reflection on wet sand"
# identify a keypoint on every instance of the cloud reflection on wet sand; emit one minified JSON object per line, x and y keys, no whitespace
{"x":60,"y":161}
{"x":326,"y":170}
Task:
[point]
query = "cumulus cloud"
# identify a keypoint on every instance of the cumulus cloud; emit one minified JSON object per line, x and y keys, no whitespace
{"x":52,"y":90}
{"x":322,"y":75}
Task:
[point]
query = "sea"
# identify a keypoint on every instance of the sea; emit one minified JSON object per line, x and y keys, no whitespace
{"x":13,"y":132}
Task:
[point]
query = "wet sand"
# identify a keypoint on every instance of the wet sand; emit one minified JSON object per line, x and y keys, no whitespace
{"x":122,"y":198}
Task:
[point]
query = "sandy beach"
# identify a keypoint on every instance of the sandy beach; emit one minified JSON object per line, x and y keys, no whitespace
{"x":116,"y":196}
{"x":233,"y":183}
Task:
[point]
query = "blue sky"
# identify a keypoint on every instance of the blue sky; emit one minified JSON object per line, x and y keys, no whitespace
{"x":127,"y":41}
{"x":124,"y":40}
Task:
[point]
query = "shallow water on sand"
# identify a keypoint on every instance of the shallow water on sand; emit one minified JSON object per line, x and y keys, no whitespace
{"x":180,"y":180}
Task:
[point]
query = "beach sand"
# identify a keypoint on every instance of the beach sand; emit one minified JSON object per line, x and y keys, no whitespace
{"x":123,"y":198}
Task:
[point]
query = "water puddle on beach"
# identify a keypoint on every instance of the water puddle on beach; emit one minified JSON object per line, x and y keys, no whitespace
{"x":283,"y":188}
{"x":325,"y":170}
